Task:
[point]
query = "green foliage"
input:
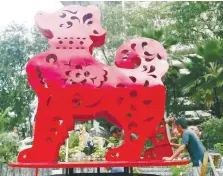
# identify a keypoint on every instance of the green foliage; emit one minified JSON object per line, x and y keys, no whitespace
{"x":173,"y":90}
{"x":74,"y":150}
{"x":106,"y":126}
{"x":4,"y":121}
{"x":8,"y":147}
{"x":204,"y":82}
{"x":177,"y":170}
{"x":62,"y":154}
{"x":194,"y":20}
{"x":193,"y":25}
{"x":136,"y":171}
{"x":99,"y":148}
{"x":212,"y":131}
{"x":99,"y":153}
{"x":114,"y":140}
{"x":88,"y":126}
{"x":71,"y":153}
{"x":148,"y":145}
{"x":211,"y":50}
{"x":160,"y":35}
{"x":131,"y":19}
{"x":38,"y":43}
{"x":14,"y":90}
{"x":17,"y":45}
{"x":73,"y":140}
{"x":219,"y":148}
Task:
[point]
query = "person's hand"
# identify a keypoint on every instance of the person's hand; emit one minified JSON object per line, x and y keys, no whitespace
{"x":167,"y":159}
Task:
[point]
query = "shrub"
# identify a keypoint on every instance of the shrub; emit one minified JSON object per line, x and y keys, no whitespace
{"x":219,"y":148}
{"x":177,"y":170}
{"x":75,"y":150}
{"x":8,"y":147}
{"x":212,"y":132}
{"x":73,"y":140}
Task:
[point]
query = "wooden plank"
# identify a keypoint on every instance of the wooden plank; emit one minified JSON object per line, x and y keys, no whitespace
{"x":216,"y":160}
{"x":204,"y":164}
{"x":212,"y":165}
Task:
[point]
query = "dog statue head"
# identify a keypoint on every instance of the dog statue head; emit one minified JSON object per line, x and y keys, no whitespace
{"x":72,"y":27}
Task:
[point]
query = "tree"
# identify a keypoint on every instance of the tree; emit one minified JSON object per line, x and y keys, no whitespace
{"x":3,"y":120}
{"x":9,"y":147}
{"x":189,"y":24}
{"x":204,"y":83}
{"x":14,"y":91}
{"x":196,"y":21}
{"x":131,"y":20}
{"x":37,"y":43}
{"x":17,"y":45}
{"x":212,"y":135}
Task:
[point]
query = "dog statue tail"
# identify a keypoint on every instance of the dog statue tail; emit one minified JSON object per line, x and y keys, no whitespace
{"x":144,"y":55}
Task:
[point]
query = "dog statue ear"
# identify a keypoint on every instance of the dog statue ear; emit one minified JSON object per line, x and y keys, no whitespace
{"x":97,"y":33}
{"x":43,"y":23}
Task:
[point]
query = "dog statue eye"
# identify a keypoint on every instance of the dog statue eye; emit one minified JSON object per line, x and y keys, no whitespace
{"x":63,"y":15}
{"x":90,"y":23}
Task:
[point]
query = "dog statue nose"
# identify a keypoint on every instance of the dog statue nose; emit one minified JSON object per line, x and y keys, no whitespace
{"x":81,"y":42}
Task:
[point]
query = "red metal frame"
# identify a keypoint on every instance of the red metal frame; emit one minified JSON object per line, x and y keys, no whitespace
{"x":101,"y":164}
{"x":72,"y":85}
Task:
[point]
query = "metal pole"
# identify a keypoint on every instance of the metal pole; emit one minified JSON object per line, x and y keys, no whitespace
{"x":66,"y":158}
{"x":37,"y":171}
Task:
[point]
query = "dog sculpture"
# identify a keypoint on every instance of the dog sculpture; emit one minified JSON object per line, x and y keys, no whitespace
{"x":72,"y":85}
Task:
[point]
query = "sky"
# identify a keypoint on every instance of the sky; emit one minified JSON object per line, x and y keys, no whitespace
{"x":23,"y":11}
